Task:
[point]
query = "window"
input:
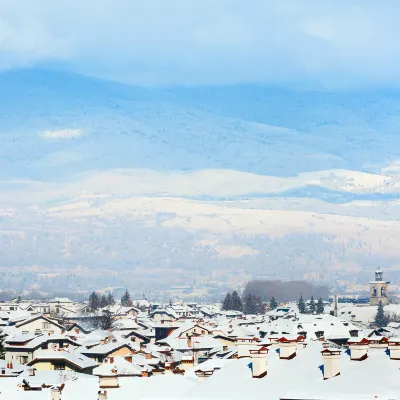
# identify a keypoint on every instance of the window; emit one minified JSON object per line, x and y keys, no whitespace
{"x":59,"y":366}
{"x":23,"y":359}
{"x":45,"y":325}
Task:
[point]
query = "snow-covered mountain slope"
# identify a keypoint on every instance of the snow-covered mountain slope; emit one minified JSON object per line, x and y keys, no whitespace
{"x":95,"y":172}
{"x":53,"y":125}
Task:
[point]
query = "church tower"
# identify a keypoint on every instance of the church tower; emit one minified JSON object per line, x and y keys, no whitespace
{"x":379,"y":290}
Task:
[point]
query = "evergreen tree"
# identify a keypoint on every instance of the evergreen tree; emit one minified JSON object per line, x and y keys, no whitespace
{"x":249,"y":306}
{"x":110,"y":299}
{"x":106,"y":321}
{"x":313,"y":306}
{"x":227,"y":303}
{"x":260,"y":306}
{"x":273,"y":304}
{"x":94,"y":301}
{"x":2,"y":349}
{"x":320,"y":306}
{"x":125,"y":298}
{"x":380,"y":318}
{"x":103,"y":301}
{"x":236,"y":301}
{"x":302,"y":305}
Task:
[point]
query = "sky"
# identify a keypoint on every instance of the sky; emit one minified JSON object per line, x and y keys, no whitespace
{"x":334,"y":44}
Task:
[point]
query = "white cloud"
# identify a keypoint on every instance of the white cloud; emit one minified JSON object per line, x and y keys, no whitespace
{"x":61,"y":134}
{"x":208,"y":41}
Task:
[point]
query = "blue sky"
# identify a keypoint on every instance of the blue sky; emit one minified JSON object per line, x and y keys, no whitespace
{"x":312,"y":43}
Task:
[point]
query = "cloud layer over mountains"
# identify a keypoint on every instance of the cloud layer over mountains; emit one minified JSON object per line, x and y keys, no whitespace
{"x":334,"y":44}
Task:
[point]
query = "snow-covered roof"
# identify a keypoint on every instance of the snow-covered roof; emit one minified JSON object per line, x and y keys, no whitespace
{"x":73,"y":356}
{"x":118,"y":367}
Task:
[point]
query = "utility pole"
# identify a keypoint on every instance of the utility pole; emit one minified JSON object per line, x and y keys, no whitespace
{"x":335,"y":299}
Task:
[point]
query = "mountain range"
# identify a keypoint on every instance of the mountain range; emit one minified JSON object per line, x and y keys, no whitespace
{"x":260,"y":179}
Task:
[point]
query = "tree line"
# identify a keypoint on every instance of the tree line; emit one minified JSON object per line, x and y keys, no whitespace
{"x":250,"y":304}
{"x":285,"y":291}
{"x":312,"y":308}
{"x":96,"y":301}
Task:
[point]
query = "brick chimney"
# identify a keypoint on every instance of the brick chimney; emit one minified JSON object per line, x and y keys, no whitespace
{"x":56,"y":393}
{"x":244,"y":346}
{"x":148,"y":356}
{"x":111,"y":360}
{"x":394,"y":348}
{"x":189,"y":342}
{"x":145,"y":373}
{"x":259,"y":362}
{"x":102,"y":395}
{"x":358,"y":349}
{"x":331,"y":359}
{"x":287,"y":349}
{"x":128,"y":358}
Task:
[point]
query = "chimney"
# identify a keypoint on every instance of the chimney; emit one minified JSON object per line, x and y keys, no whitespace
{"x":244,"y":346}
{"x":56,"y":393}
{"x":128,"y":358}
{"x":189,"y":342}
{"x":32,"y":372}
{"x":358,"y":350}
{"x":287,"y":349}
{"x":331,"y":359}
{"x":394,"y":349}
{"x":148,"y":356}
{"x":145,"y":373}
{"x":109,"y":381}
{"x":111,"y":360}
{"x":259,"y":362}
{"x":102,"y":395}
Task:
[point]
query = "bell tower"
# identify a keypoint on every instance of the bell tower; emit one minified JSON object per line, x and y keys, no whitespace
{"x":379,"y":289}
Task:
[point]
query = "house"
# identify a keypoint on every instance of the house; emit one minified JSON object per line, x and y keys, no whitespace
{"x":22,"y":348}
{"x":111,"y":349}
{"x":78,"y":328}
{"x":144,"y":336}
{"x":225,"y":340}
{"x":162,"y":314}
{"x":163,"y":330}
{"x":39,"y":324}
{"x":62,"y":359}
{"x":115,"y":367}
